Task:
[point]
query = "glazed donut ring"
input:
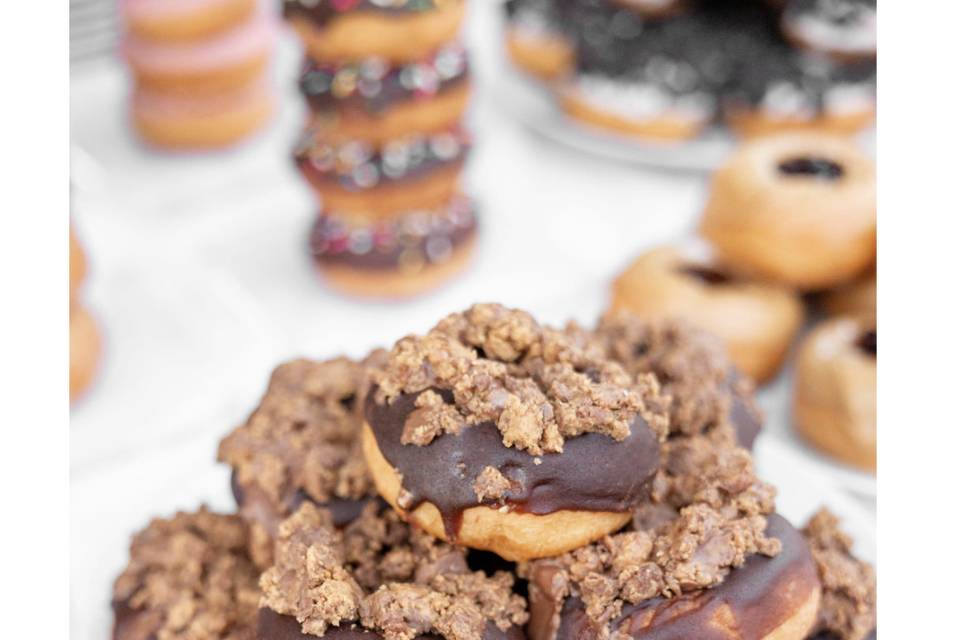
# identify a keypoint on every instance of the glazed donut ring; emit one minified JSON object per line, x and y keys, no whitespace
{"x":835,"y":390}
{"x":179,"y":20}
{"x":755,"y":321}
{"x":84,"y":349}
{"x":766,"y":598}
{"x":799,"y":210}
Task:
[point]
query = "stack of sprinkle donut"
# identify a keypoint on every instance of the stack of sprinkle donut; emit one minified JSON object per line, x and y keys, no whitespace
{"x":666,"y":69}
{"x":498,"y":479}
{"x":200,"y":69}
{"x":84,"y":336}
{"x":387,"y":83}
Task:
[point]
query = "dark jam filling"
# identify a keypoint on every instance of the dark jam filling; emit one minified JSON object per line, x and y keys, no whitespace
{"x":812,"y":167}
{"x":868,"y":342}
{"x":706,"y":275}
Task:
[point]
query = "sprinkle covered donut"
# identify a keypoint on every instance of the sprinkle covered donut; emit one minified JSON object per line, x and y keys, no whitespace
{"x":755,"y":320}
{"x":843,"y":29}
{"x":398,"y":31}
{"x":835,"y":390}
{"x":799,"y":210}
{"x":486,"y":432}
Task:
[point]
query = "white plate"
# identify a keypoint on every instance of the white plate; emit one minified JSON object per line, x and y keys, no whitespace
{"x":106,"y":508}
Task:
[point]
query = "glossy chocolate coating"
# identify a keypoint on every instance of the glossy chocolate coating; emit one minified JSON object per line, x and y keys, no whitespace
{"x":274,"y":626}
{"x":594,"y":472}
{"x":321,"y":13}
{"x":755,"y":593}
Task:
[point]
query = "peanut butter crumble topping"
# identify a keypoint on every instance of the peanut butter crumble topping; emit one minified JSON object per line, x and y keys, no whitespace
{"x":539,"y":385}
{"x":189,"y":578}
{"x":384,"y":575}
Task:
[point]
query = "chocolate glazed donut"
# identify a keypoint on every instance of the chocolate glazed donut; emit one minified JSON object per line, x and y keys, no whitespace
{"x":274,"y":626}
{"x":754,"y":601}
{"x":594,"y":473}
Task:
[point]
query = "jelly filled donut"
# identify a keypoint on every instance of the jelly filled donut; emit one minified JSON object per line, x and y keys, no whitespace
{"x":403,"y":255}
{"x":835,"y":390}
{"x":178,"y":20}
{"x":380,"y":578}
{"x":398,"y":31}
{"x":415,"y":172}
{"x":707,"y":395}
{"x":756,"y":321}
{"x":652,"y":86}
{"x":799,"y":210}
{"x":188,"y":577}
{"x":367,"y":99}
{"x":843,"y":29}
{"x":535,"y":39}
{"x":300,"y":445}
{"x":84,"y":349}
{"x":495,"y":433}
{"x":848,"y":606}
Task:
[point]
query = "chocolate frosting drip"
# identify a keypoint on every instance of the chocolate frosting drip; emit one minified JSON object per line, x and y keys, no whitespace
{"x":324,"y":11}
{"x":409,"y":242}
{"x":373,"y":87}
{"x":747,"y":591}
{"x":274,"y":626}
{"x":594,"y":472}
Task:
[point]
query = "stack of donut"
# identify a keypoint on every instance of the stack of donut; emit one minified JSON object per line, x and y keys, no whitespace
{"x":787,"y":215}
{"x":387,"y":83}
{"x":666,"y":69}
{"x":84,"y":337}
{"x":200,"y":69}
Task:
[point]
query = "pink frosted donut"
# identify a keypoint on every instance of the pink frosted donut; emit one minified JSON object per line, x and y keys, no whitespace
{"x":183,"y":19}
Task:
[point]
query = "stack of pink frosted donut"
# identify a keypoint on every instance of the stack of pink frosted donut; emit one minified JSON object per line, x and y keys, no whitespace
{"x":200,"y":69}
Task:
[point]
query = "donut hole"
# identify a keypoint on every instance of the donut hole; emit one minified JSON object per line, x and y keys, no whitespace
{"x":349,"y":402}
{"x":811,"y":167}
{"x":707,"y":275}
{"x":867,"y":342}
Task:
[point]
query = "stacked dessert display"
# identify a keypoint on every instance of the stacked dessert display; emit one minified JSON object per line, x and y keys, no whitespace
{"x":387,"y":83}
{"x":201,"y":69}
{"x":499,"y":479}
{"x":668,"y":69}
{"x":788,"y":217}
{"x":84,"y":336}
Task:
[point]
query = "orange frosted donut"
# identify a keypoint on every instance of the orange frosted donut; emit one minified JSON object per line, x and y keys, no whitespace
{"x":799,"y":210}
{"x":173,"y":20}
{"x":201,"y":122}
{"x":399,"y":31}
{"x":756,"y":321}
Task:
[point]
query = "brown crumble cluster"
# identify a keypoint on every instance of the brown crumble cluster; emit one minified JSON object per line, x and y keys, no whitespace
{"x":190,"y":579}
{"x":706,"y":515}
{"x":848,"y":606}
{"x":385,"y":575}
{"x":539,"y":385}
{"x":690,"y":365}
{"x":302,"y":438}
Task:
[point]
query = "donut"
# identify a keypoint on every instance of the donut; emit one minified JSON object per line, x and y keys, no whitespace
{"x":652,"y":85}
{"x":379,"y":577}
{"x":188,"y":577}
{"x":403,"y":255}
{"x":756,"y":321}
{"x":535,"y":41}
{"x":301,"y":444}
{"x":201,"y":122}
{"x":769,"y":598}
{"x":487,"y":432}
{"x":835,"y":390}
{"x":842,"y":29}
{"x":179,"y":20}
{"x":416,"y":172}
{"x":84,"y":349}
{"x":796,"y":209}
{"x":707,"y":394}
{"x":227,"y":61}
{"x":652,"y":8}
{"x":78,"y":264}
{"x":854,"y":298}
{"x":848,"y":606}
{"x":397,"y":31}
